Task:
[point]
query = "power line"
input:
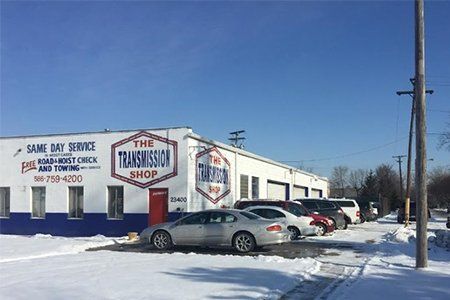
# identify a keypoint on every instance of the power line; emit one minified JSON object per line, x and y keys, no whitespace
{"x":348,"y":154}
{"x":355,"y":153}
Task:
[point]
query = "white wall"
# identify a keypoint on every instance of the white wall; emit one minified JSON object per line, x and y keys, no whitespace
{"x":95,"y":181}
{"x":13,"y":152}
{"x":243,"y":162}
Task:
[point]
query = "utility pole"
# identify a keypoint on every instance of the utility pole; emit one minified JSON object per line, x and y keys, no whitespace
{"x":399,"y":160}
{"x":235,"y":139}
{"x":421,"y":154}
{"x":408,"y":168}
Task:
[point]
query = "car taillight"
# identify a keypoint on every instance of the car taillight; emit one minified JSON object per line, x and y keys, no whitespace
{"x":358,"y":213}
{"x":274,"y":228}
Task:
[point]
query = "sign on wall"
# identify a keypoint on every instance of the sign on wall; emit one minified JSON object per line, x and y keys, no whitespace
{"x":60,"y":162}
{"x":144,"y":159}
{"x":212,"y":176}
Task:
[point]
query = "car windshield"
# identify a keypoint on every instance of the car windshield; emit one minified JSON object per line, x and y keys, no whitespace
{"x":249,"y":215}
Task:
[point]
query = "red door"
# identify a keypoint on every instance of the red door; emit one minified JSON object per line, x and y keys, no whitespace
{"x":158,"y":206}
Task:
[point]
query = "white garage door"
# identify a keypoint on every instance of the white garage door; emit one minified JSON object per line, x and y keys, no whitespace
{"x":299,"y":192}
{"x":316,"y":193}
{"x":276,"y":190}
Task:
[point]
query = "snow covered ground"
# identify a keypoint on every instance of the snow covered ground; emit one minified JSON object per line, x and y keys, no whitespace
{"x":43,"y":267}
{"x":370,"y":261}
{"x":381,"y":263}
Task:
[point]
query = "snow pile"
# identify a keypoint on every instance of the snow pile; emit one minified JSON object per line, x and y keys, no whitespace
{"x":402,"y":235}
{"x":443,"y":239}
{"x":17,"y":248}
{"x":389,"y":218}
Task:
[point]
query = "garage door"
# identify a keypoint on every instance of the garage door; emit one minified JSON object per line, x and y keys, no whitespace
{"x":299,"y":192}
{"x":276,"y":190}
{"x":315,"y":193}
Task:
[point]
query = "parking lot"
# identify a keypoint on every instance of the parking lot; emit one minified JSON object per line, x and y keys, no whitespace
{"x":299,"y":249}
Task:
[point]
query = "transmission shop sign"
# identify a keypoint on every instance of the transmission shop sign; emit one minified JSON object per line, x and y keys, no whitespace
{"x":144,"y":159}
{"x":212,"y":175}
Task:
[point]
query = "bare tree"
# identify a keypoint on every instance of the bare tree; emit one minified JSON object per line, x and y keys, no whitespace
{"x":356,"y":179}
{"x":339,"y":178}
{"x":444,"y":139}
{"x":439,"y":187}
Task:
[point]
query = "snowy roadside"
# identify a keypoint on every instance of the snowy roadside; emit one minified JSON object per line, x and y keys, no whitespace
{"x":58,"y":268}
{"x":385,"y":268}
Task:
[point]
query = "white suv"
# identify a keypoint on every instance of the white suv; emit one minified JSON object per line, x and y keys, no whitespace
{"x":350,"y":208}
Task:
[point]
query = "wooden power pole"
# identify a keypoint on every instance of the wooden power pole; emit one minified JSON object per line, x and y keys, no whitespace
{"x":408,"y":168}
{"x":421,"y":154}
{"x":399,"y":160}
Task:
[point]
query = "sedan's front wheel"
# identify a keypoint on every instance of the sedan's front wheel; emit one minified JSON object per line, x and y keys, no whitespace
{"x":161,"y":240}
{"x":244,"y":242}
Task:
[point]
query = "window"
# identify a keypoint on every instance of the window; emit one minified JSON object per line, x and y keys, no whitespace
{"x":219,"y":217}
{"x":296,"y":210}
{"x":4,"y":202}
{"x":310,"y":205}
{"x":249,"y":215}
{"x":274,"y":214}
{"x":115,"y":202}
{"x":195,"y":219}
{"x":76,"y":198}
{"x":244,"y":186}
{"x":325,"y":205}
{"x":268,"y":213}
{"x":346,"y":203}
{"x":255,"y":187}
{"x":38,"y":202}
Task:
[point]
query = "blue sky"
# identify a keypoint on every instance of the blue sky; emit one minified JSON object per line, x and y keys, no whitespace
{"x":307,"y":80}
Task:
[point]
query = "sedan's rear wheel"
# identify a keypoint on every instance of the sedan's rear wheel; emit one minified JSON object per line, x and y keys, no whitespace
{"x":244,"y":242}
{"x":321,"y":229}
{"x":161,"y":240}
{"x":295,"y":233}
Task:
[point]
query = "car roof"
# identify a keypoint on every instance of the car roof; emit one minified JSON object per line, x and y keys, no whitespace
{"x":220,"y":210}
{"x":265,"y":207}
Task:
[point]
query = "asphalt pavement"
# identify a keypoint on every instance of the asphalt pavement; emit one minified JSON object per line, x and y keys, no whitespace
{"x":298,"y":249}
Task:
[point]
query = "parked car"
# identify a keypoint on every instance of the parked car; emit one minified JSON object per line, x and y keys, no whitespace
{"x":241,"y":230}
{"x":324,"y":225}
{"x":412,"y":212}
{"x":350,"y":208}
{"x":297,"y":225}
{"x":326,"y":208}
{"x":368,"y":212}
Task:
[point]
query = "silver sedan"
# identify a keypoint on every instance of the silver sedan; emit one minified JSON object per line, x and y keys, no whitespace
{"x":218,"y":227}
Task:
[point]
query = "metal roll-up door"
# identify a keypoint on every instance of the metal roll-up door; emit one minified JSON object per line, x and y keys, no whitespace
{"x":276,"y":190}
{"x":299,"y":192}
{"x":315,"y":193}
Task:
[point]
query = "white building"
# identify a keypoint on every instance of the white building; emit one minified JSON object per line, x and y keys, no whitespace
{"x":114,"y":182}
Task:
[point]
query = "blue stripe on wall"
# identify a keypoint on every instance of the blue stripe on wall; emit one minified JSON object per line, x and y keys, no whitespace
{"x":93,"y":223}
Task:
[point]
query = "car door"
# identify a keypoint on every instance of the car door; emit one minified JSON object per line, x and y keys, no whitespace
{"x":190,"y":230}
{"x":219,"y":228}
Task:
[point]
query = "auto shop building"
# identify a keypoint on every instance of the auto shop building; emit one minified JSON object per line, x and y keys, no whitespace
{"x":111,"y":183}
